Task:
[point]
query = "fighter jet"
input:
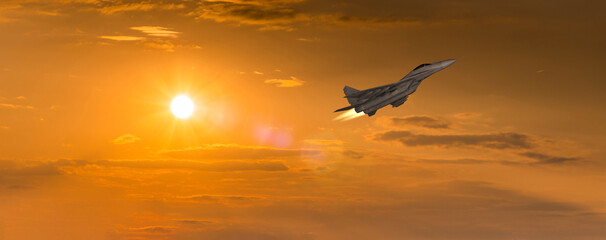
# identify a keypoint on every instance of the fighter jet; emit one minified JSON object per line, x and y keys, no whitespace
{"x":372,"y":99}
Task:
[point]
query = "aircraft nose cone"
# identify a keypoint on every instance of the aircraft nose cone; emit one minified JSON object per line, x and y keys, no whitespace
{"x":447,"y":63}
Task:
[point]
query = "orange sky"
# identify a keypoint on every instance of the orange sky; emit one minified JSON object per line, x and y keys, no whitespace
{"x":507,"y":143}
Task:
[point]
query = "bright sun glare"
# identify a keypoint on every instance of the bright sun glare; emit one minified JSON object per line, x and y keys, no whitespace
{"x":182,"y":106}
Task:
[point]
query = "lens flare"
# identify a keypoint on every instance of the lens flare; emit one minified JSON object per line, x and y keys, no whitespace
{"x":349,"y":115}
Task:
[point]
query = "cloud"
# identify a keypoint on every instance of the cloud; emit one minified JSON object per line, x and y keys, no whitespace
{"x":157,"y":31}
{"x":547,"y":159}
{"x":146,"y":232}
{"x":126,"y":139}
{"x":67,"y":166}
{"x":507,"y":140}
{"x":421,"y":121}
{"x":249,"y":13}
{"x":292,"y":82}
{"x":467,"y":115}
{"x":367,"y":21}
{"x":153,"y":229}
{"x":454,"y":161}
{"x":28,"y":169}
{"x":324,"y":142}
{"x":234,"y":151}
{"x":221,"y":166}
{"x":277,"y":28}
{"x":308,"y":39}
{"x":195,"y":221}
{"x":122,"y":38}
{"x":112,"y":8}
{"x":15,"y":106}
{"x":459,"y":209}
{"x":257,"y":72}
{"x":164,"y":45}
{"x":353,"y":154}
{"x":282,"y":15}
{"x":220,"y":198}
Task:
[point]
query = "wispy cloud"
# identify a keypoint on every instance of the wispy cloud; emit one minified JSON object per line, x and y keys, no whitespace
{"x":221,"y":166}
{"x":292,"y":82}
{"x":15,"y":106}
{"x":126,"y":139}
{"x":247,"y":13}
{"x":165,"y":45}
{"x":324,"y":142}
{"x":122,"y":38}
{"x":421,"y":121}
{"x":157,"y":31}
{"x":235,"y":151}
{"x":548,"y":159}
{"x":112,"y":8}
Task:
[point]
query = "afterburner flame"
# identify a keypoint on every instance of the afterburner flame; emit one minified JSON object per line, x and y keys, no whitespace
{"x":349,"y":115}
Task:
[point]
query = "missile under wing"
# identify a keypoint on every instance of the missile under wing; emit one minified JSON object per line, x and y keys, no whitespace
{"x":394,"y":94}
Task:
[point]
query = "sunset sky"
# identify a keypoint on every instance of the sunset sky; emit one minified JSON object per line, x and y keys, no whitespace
{"x":507,"y":143}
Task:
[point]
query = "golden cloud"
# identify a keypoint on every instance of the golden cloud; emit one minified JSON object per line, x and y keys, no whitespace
{"x":235,"y":151}
{"x":122,"y":38}
{"x":127,"y":7}
{"x":292,"y":82}
{"x":126,"y":139}
{"x":157,"y":31}
{"x":15,"y":106}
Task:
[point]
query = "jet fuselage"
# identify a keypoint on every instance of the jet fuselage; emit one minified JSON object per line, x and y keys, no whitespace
{"x":370,"y":100}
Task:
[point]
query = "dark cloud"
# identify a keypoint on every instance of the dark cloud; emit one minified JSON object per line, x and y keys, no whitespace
{"x":548,"y":159}
{"x":285,"y":15}
{"x":466,"y":161}
{"x":153,"y":229}
{"x":353,"y":154}
{"x":31,"y":168}
{"x":455,"y":161}
{"x":218,"y":198}
{"x":421,"y":121}
{"x":194,"y":221}
{"x":250,"y":13}
{"x":507,"y":140}
{"x":233,"y":151}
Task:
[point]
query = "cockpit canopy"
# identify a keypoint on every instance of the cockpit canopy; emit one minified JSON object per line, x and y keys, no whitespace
{"x":422,"y":65}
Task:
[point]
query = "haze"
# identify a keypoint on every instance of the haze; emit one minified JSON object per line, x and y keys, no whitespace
{"x":507,"y":143}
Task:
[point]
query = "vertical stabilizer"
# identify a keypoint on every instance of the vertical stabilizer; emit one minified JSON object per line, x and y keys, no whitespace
{"x":349,"y":90}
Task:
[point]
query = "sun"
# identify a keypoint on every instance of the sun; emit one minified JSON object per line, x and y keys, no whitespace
{"x":182,"y":106}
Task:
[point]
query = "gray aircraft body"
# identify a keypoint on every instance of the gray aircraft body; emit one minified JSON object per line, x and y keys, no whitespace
{"x":372,"y":99}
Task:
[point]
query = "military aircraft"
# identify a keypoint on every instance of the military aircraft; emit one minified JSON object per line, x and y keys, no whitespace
{"x":372,"y":99}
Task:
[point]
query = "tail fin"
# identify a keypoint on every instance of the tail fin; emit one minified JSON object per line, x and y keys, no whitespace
{"x":349,"y":91}
{"x":354,"y":102}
